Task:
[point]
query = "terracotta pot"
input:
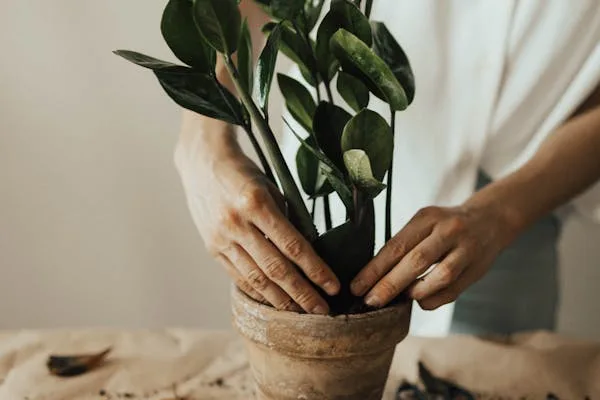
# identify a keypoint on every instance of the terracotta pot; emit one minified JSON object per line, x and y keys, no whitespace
{"x":311,"y":357}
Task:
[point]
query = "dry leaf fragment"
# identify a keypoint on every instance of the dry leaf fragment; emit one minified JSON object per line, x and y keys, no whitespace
{"x":73,"y":365}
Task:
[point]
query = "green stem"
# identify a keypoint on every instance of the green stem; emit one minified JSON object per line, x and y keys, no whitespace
{"x":329,"y":93}
{"x":327,"y":209}
{"x":299,"y":214}
{"x":313,"y":208}
{"x":388,"y":200}
{"x":368,"y":8}
{"x":261,"y":155}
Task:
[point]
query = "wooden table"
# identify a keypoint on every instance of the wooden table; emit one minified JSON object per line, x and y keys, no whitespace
{"x":203,"y":365}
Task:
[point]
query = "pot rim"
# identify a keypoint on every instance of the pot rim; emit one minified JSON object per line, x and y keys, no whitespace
{"x":316,"y":317}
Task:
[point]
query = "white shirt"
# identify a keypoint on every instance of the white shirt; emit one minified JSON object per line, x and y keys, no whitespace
{"x":494,"y":79}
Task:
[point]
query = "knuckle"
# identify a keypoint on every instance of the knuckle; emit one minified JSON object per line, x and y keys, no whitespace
{"x":253,"y":198}
{"x":429,"y":212}
{"x":455,"y":226}
{"x":388,"y":288}
{"x":275,"y":269}
{"x":306,"y":299}
{"x":284,"y":304}
{"x":294,"y":248}
{"x":228,"y":218}
{"x":419,"y":259}
{"x":445,"y":275}
{"x":257,"y":280}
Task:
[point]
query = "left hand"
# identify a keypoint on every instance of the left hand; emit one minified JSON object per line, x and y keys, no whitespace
{"x":462,"y":241}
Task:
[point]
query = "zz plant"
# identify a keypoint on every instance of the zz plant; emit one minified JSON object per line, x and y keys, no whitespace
{"x":348,"y":154}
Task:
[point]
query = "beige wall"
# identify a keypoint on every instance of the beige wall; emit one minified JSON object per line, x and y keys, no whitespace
{"x":93,"y":224}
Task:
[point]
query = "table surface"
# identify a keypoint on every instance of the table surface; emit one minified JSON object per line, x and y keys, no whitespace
{"x":203,"y":365}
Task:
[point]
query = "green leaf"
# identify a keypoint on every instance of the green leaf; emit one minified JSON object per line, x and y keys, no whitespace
{"x":200,"y":93}
{"x":312,"y":10}
{"x":361,"y":174}
{"x":219,"y":21}
{"x":357,"y":239}
{"x":369,"y":132}
{"x":342,"y":15}
{"x":286,"y":9}
{"x":390,"y":51}
{"x":298,"y":100}
{"x":266,"y":67}
{"x":353,"y":91}
{"x":360,"y":61}
{"x":145,"y":61}
{"x":328,"y":126}
{"x":180,"y":32}
{"x":334,"y":175}
{"x":245,"y":59}
{"x":294,"y":48}
{"x":312,"y":179}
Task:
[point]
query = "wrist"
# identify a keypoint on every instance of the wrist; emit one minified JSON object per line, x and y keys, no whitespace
{"x":207,"y":138}
{"x":499,"y":206}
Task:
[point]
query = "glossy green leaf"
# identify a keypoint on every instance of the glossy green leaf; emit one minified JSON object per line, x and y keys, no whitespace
{"x":245,"y":59}
{"x":353,"y":91}
{"x":342,"y":15}
{"x":368,"y":131}
{"x":390,"y":51}
{"x":298,"y":100}
{"x":200,"y":93}
{"x":359,"y":169}
{"x":357,"y":239}
{"x":145,"y":61}
{"x":334,"y":175}
{"x":179,"y":31}
{"x":328,"y":126}
{"x":286,"y":9}
{"x":219,"y":21}
{"x":360,"y":61}
{"x":312,"y":11}
{"x":312,"y":179}
{"x":295,"y":49}
{"x":265,"y":69}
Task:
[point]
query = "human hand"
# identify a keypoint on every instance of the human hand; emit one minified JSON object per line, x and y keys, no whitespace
{"x":462,"y":241}
{"x":240,"y":216}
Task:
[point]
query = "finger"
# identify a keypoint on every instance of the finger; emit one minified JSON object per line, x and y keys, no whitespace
{"x":258,"y":280}
{"x":240,"y":282}
{"x":451,"y":293}
{"x":273,"y":223}
{"x":411,"y":235}
{"x":415,"y":263}
{"x":282,"y":272}
{"x":442,"y":276}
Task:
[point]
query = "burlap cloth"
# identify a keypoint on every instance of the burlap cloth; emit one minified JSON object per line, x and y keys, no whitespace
{"x":198,"y":365}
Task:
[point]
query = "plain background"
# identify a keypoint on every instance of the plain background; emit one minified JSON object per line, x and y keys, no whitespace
{"x":94,"y":229}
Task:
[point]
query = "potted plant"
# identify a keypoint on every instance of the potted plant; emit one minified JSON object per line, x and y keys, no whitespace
{"x":346,"y":150}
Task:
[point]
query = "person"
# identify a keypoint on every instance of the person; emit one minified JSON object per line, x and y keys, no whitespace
{"x":504,"y":129}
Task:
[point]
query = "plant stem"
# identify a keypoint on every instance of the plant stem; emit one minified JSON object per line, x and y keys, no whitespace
{"x":329,"y":94}
{"x":261,"y":155}
{"x":368,"y":8}
{"x":300,"y":216}
{"x":388,"y":200}
{"x":327,"y":209}
{"x":313,"y":208}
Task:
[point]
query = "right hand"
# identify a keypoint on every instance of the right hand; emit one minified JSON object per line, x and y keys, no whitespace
{"x":240,"y":216}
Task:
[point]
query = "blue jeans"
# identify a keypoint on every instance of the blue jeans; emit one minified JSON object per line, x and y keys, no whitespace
{"x":520,"y":292}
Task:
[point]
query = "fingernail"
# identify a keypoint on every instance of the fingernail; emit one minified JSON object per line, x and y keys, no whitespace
{"x":372,"y":300}
{"x":357,"y":287}
{"x":321,"y":310}
{"x":331,"y":287}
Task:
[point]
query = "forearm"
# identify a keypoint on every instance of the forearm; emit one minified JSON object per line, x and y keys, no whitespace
{"x":565,"y":165}
{"x":206,"y":137}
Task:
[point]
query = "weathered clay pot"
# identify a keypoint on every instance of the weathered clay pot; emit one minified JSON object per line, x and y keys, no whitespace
{"x":311,"y":357}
